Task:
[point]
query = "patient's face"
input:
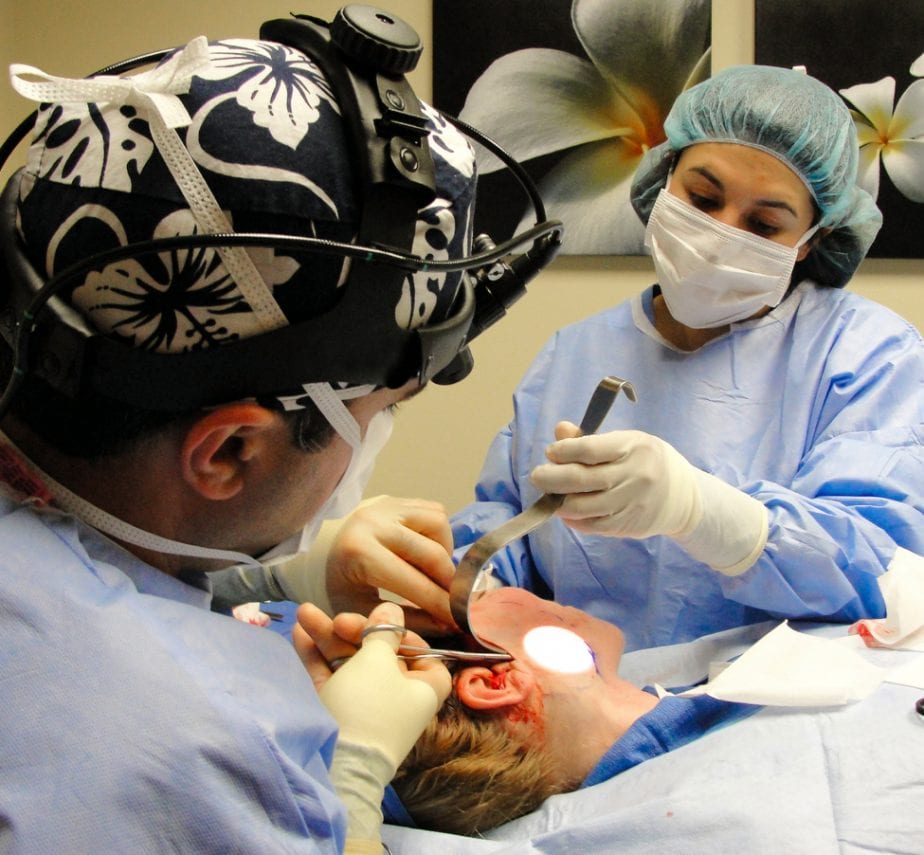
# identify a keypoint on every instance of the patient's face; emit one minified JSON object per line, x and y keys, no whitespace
{"x":505,"y":616}
{"x":561,"y":692}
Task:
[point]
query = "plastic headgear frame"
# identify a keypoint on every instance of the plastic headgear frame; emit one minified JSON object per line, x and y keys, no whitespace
{"x":364,"y":53}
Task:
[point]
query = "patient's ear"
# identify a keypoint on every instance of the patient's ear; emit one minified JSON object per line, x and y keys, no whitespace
{"x":480,"y":688}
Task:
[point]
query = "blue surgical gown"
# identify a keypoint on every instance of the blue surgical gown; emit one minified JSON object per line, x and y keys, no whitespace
{"x":815,"y":409}
{"x":133,"y":719}
{"x":670,"y":725}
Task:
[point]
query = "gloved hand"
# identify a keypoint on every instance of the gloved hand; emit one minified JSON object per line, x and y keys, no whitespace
{"x":400,"y":545}
{"x":380,"y":703}
{"x":632,"y":484}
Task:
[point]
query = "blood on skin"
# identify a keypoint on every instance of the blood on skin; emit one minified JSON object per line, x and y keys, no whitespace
{"x":519,"y":713}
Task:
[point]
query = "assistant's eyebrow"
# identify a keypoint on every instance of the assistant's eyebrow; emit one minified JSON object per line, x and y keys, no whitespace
{"x":762,"y":203}
{"x":777,"y":203}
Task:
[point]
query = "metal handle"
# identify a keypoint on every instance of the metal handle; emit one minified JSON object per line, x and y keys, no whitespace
{"x":601,"y":401}
{"x":469,"y":580}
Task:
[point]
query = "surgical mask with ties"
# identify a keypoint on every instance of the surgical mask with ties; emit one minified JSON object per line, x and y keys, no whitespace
{"x":349,"y":490}
{"x":710,"y":273}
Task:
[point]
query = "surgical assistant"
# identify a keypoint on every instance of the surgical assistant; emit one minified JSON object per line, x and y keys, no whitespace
{"x":773,"y":461}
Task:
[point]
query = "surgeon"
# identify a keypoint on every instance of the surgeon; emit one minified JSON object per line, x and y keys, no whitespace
{"x":555,"y":718}
{"x":773,"y":461}
{"x":183,"y":406}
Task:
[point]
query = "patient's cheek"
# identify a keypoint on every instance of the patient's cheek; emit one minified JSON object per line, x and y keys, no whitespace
{"x":526,"y":719}
{"x":532,"y":718}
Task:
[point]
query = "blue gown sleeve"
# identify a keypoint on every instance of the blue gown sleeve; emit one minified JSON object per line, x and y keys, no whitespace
{"x":497,"y":499}
{"x":503,"y":489}
{"x":857,"y":491}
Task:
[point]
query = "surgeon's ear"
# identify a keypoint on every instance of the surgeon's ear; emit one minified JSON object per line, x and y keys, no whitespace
{"x":218,"y":446}
{"x":480,"y":688}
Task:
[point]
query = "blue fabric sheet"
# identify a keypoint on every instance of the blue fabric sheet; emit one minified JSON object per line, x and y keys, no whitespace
{"x":672,"y":723}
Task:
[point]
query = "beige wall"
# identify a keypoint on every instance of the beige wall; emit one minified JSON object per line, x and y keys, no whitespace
{"x":441,"y":436}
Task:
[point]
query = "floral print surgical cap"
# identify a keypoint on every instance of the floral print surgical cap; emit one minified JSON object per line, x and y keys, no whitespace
{"x":241,"y":135}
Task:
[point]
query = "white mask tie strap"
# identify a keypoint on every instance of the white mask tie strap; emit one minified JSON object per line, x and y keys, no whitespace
{"x":153,"y":91}
{"x":331,"y":405}
{"x":105,"y":522}
{"x":807,"y":236}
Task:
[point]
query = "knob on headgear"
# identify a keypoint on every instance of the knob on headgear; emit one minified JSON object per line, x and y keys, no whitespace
{"x":377,"y":38}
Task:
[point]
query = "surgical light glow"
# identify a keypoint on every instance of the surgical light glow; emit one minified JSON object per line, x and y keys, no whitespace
{"x":558,"y":649}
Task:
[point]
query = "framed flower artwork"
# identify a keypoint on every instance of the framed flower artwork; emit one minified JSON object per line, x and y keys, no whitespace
{"x":872,"y":53}
{"x":577,"y":91}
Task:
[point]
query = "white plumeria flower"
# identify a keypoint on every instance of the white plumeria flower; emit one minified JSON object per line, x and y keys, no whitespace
{"x":606,"y":111}
{"x":917,"y":67}
{"x":893,"y":136}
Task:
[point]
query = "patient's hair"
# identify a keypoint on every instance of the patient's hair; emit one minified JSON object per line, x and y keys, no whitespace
{"x":466,"y":774}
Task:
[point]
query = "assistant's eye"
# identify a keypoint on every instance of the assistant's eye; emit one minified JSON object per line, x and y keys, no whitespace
{"x":763,"y":228}
{"x":703,"y":203}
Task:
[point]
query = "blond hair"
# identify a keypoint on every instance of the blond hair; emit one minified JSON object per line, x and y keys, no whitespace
{"x":467,"y":774}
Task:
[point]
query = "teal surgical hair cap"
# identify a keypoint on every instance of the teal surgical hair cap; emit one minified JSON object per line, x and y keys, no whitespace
{"x":795,"y":118}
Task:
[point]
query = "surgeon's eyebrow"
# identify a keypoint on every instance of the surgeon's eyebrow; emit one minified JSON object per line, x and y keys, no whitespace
{"x":763,"y":203}
{"x":411,"y":393}
{"x":414,"y":392}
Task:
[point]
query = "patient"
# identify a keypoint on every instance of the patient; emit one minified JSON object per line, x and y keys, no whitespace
{"x":550,"y":721}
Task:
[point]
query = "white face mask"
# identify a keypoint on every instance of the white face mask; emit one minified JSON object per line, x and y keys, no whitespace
{"x":710,"y":273}
{"x":349,"y":490}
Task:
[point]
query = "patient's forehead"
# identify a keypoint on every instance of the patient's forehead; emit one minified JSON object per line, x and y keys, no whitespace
{"x":511,"y":608}
{"x":503,"y":616}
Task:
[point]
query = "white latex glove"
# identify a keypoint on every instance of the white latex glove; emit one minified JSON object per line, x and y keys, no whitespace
{"x":377,"y":700}
{"x":380,"y":703}
{"x":632,"y":484}
{"x":301,"y":576}
{"x":403,"y":546}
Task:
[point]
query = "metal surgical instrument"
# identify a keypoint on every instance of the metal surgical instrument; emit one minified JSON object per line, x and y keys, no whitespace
{"x":413,"y":652}
{"x":473,"y":575}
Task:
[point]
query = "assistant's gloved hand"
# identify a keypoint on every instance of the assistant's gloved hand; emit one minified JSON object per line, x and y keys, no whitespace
{"x":380,"y":703}
{"x":632,"y":484}
{"x":403,"y":546}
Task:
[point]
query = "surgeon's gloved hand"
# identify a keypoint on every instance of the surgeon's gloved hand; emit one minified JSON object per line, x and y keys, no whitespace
{"x":381,"y":705}
{"x":632,"y":484}
{"x":403,"y":546}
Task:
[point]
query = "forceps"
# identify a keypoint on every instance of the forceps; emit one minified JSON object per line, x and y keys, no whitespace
{"x":473,"y":575}
{"x":413,"y":652}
